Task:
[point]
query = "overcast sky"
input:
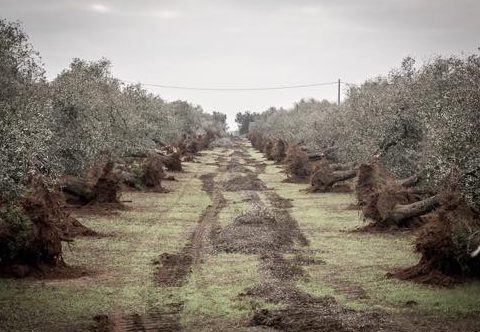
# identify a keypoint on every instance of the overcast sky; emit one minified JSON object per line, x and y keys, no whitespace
{"x":246,"y":43}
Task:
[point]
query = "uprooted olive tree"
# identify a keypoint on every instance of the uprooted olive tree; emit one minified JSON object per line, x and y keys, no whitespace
{"x":59,"y":133}
{"x":415,"y":135}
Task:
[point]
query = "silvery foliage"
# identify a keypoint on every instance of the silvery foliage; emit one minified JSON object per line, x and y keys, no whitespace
{"x":414,"y":119}
{"x":64,"y":126}
{"x":25,"y":113}
{"x":96,"y":114}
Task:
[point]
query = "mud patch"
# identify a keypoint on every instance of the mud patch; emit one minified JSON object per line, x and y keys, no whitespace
{"x":156,"y":321}
{"x":258,"y":231}
{"x":244,"y":182}
{"x":278,"y":201}
{"x":323,"y":314}
{"x":208,"y":184}
{"x":173,"y":269}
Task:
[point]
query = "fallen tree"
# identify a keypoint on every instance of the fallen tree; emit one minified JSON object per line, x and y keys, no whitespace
{"x":324,"y":178}
{"x":279,"y":150}
{"x":448,"y":243}
{"x":32,"y":230}
{"x":268,"y":149}
{"x":172,"y":162}
{"x":105,"y":190}
{"x":153,"y":173}
{"x":297,"y":163}
{"x":385,"y":203}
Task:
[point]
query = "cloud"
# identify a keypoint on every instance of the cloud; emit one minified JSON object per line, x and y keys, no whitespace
{"x":100,"y":8}
{"x":166,"y":14}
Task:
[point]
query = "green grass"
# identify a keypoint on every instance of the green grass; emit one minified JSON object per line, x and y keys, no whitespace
{"x":213,"y":289}
{"x":358,"y":260}
{"x":120,"y":265}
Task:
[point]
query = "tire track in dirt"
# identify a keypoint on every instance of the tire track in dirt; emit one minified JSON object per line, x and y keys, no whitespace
{"x":270,"y":232}
{"x":172,"y":270}
{"x":300,"y":311}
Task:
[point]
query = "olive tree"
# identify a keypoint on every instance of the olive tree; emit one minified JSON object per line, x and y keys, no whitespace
{"x":25,"y":114}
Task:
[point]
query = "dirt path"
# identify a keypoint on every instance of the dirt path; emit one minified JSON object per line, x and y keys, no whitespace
{"x":241,"y":257}
{"x":269,"y":232}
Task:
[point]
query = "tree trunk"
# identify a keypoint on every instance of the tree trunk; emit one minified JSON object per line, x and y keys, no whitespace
{"x":79,"y":189}
{"x":410,"y":181}
{"x":343,"y":167}
{"x":403,"y":212}
{"x":324,"y":178}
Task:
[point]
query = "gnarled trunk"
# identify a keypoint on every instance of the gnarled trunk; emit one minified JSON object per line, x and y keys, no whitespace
{"x":324,"y":177}
{"x":403,"y":212}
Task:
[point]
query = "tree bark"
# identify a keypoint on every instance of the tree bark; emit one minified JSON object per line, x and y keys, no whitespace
{"x":403,"y":212}
{"x":323,"y":180}
{"x":410,"y":181}
{"x":79,"y":189}
{"x":343,"y":167}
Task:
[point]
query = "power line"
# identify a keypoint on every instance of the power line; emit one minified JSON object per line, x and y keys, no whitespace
{"x":282,"y":87}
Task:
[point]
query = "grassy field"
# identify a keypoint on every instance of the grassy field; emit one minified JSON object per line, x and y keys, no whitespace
{"x":120,"y":268}
{"x":356,"y":264}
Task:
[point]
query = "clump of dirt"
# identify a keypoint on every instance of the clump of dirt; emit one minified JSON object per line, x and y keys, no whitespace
{"x":151,"y":321}
{"x":71,"y":228}
{"x":258,"y":231}
{"x":208,"y":185}
{"x":235,"y":167}
{"x":297,"y":163}
{"x":449,"y":243}
{"x":275,"y":265}
{"x":244,"y":182}
{"x":172,"y":269}
{"x":278,"y":292}
{"x":323,"y":314}
{"x":277,"y":201}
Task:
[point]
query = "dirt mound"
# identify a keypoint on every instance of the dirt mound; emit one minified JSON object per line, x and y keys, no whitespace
{"x":208,"y":185}
{"x":279,"y":293}
{"x":448,"y":244}
{"x":172,"y":269}
{"x":71,"y":228}
{"x":152,"y":321}
{"x":244,"y":182}
{"x":278,"y":201}
{"x":275,"y":265}
{"x":297,"y":163}
{"x":323,"y":314}
{"x":258,"y":231}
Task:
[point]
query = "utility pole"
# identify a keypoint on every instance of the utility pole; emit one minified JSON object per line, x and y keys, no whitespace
{"x":338,"y":101}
